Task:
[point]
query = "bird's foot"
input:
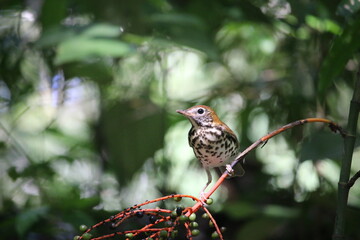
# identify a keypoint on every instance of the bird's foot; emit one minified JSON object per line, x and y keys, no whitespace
{"x":230,"y":170}
{"x":203,"y":198}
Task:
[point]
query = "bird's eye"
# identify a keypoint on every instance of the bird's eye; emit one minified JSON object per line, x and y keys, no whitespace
{"x":200,"y":111}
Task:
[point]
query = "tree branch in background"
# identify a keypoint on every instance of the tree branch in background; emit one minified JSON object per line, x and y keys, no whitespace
{"x":349,"y":143}
{"x":353,"y":179}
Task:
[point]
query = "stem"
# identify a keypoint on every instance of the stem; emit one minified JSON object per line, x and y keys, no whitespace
{"x":349,"y":143}
{"x":352,"y":180}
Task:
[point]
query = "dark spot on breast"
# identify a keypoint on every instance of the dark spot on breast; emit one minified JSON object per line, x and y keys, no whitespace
{"x":193,"y":141}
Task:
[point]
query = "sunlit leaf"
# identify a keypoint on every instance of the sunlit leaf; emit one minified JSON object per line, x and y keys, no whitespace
{"x":102,"y":30}
{"x":82,"y":48}
{"x":323,"y":25}
{"x":59,"y":34}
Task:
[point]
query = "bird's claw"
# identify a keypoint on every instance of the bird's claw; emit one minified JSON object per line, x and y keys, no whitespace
{"x":203,"y":198}
{"x":230,"y":170}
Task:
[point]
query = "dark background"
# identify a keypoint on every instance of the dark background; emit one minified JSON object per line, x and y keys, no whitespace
{"x":89,"y":89}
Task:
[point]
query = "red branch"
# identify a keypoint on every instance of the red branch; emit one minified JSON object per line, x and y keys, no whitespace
{"x":162,"y":216}
{"x":333,"y":126}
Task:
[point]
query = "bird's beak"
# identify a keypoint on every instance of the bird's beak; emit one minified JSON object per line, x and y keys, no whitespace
{"x":188,"y":115}
{"x":183,"y":112}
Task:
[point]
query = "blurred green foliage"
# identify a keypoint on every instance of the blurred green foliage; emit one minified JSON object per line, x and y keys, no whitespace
{"x":89,"y":89}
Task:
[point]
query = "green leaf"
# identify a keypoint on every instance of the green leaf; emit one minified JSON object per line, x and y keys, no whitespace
{"x":323,"y":25}
{"x":57,"y":35}
{"x":246,"y":210}
{"x":186,"y":29}
{"x":280,"y":211}
{"x":52,"y":13}
{"x":342,"y":50}
{"x":186,"y":20}
{"x":102,"y":30}
{"x":65,"y":197}
{"x":13,"y":174}
{"x":83,"y":48}
{"x":27,"y":218}
{"x":97,"y":70}
{"x":83,"y":43}
{"x":54,"y":36}
{"x":260,"y":228}
{"x":42,"y":169}
{"x":132,"y":132}
{"x":241,"y":209}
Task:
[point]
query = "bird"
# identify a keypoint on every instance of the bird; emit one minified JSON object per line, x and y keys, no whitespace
{"x":214,"y":144}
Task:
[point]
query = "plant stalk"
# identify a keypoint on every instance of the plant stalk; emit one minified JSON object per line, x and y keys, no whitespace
{"x":349,"y":143}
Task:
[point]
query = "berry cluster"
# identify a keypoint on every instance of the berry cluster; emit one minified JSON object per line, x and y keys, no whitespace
{"x":157,"y":223}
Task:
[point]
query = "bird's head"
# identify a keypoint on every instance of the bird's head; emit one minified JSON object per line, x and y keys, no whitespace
{"x":201,"y":116}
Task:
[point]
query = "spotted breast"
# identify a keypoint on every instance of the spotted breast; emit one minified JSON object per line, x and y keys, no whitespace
{"x":213,"y":146}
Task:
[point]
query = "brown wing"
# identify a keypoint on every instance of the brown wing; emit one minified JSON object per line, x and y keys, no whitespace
{"x":191,"y":137}
{"x":238,"y":169}
{"x":230,"y":135}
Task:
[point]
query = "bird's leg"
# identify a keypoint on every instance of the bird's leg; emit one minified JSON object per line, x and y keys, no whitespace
{"x":230,"y":170}
{"x":202,"y":194}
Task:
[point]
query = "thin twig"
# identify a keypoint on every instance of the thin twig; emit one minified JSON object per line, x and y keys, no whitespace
{"x":333,"y":126}
{"x":352,"y":180}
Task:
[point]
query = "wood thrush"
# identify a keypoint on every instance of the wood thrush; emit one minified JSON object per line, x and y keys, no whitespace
{"x":213,"y":142}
